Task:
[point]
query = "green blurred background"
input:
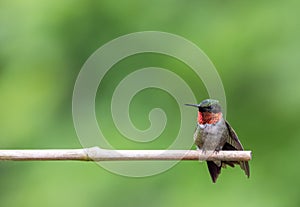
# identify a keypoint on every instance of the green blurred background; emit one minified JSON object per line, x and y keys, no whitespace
{"x":254,"y":46}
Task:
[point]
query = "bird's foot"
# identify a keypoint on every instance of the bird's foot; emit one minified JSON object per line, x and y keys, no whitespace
{"x":217,"y":150}
{"x":203,"y":153}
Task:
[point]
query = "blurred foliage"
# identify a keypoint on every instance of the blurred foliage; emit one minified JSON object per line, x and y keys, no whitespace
{"x":254,"y":46}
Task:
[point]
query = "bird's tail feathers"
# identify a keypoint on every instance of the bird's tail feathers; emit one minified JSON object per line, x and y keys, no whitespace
{"x":214,"y":170}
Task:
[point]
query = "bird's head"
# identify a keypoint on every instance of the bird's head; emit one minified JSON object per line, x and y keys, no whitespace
{"x":208,"y":105}
{"x":209,"y":111}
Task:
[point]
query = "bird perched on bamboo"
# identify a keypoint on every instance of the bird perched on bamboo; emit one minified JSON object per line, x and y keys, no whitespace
{"x":213,"y":133}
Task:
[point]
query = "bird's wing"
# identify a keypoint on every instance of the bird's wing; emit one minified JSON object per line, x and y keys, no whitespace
{"x":233,"y":143}
{"x":197,"y":137}
{"x":233,"y":139}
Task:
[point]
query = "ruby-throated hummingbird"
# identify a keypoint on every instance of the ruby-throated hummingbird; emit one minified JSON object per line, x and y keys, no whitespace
{"x":213,"y":133}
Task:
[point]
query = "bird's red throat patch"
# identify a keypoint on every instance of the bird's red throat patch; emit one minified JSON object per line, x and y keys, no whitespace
{"x":208,"y":117}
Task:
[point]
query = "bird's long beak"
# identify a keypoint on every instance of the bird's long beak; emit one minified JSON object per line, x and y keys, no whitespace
{"x":194,"y":105}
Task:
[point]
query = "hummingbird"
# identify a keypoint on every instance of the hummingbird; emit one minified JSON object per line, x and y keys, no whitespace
{"x":213,"y":133}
